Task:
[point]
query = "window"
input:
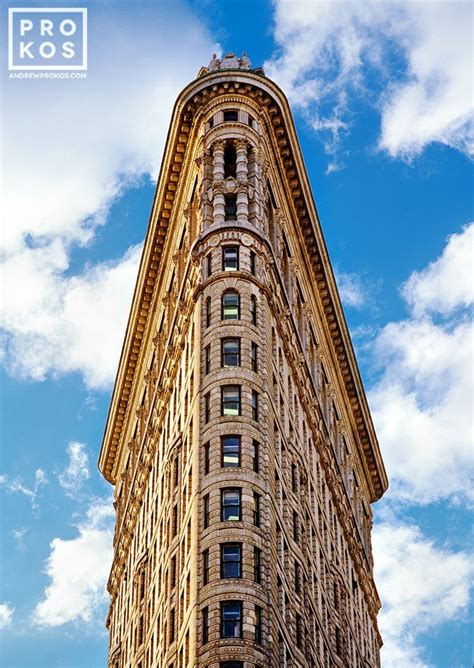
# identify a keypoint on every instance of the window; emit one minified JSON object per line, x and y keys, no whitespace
{"x":207,"y":407}
{"x":230,"y":505}
{"x":252,"y":263}
{"x":207,"y":457}
{"x":231,"y":560}
{"x":205,"y":510}
{"x":258,"y":624}
{"x":299,"y":631}
{"x":297,"y":578}
{"x":231,"y":664}
{"x":230,"y":207}
{"x":253,"y":310}
{"x":257,"y":565}
{"x":230,"y":352}
{"x":231,"y":115}
{"x":230,"y":306}
{"x":254,"y":357}
{"x":230,"y":258}
{"x":230,"y":160}
{"x":173,"y":572}
{"x":250,"y":120}
{"x":207,"y":356}
{"x":172,"y":624}
{"x":205,"y":566}
{"x":208,"y":312}
{"x":230,"y":400}
{"x":254,"y":405}
{"x":209,"y":264}
{"x":295,"y":526}
{"x":256,"y":509}
{"x":231,"y":619}
{"x":293,"y":477}
{"x":256,"y":456}
{"x":205,"y":625}
{"x":230,"y":451}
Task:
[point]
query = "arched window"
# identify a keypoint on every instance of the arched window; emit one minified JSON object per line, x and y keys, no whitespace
{"x":230,"y":305}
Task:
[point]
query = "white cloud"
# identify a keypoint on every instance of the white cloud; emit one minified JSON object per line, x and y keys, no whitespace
{"x":16,"y":485}
{"x":421,"y":586}
{"x":89,"y":141}
{"x":18,"y":536}
{"x":447,"y":283}
{"x":422,"y":404}
{"x":77,"y":470}
{"x":78,"y":569}
{"x":6,"y":614}
{"x":350,"y":289}
{"x":407,"y":58}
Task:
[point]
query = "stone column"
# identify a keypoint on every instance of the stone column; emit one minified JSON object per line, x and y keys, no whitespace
{"x":207,"y":184}
{"x":241,"y":147}
{"x":218,"y":186}
{"x":252,"y":187}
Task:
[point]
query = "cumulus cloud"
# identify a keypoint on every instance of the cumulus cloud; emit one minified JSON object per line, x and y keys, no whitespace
{"x":421,"y":585}
{"x":16,"y":485}
{"x":394,"y":54}
{"x":6,"y":615}
{"x":422,"y":402}
{"x":91,"y":139}
{"x":78,"y":569}
{"x":77,"y":470}
{"x":350,"y":289}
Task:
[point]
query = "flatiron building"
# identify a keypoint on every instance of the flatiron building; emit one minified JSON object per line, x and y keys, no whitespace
{"x":239,"y":439}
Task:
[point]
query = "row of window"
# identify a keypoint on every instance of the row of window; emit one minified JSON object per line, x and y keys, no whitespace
{"x":230,"y":307}
{"x":231,"y":453}
{"x":231,"y":562}
{"x":231,"y":403}
{"x":230,"y":260}
{"x":230,"y":354}
{"x":231,"y":506}
{"x":232,"y":116}
{"x":231,"y":622}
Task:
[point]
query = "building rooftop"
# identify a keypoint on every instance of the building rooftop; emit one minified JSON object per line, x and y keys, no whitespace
{"x":229,"y":62}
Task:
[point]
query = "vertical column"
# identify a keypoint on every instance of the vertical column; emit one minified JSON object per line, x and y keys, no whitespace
{"x":252,"y":188}
{"x":241,"y":147}
{"x":218,"y":189}
{"x":207,"y":184}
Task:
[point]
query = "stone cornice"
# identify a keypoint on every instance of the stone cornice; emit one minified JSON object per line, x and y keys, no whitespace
{"x":276,"y":110}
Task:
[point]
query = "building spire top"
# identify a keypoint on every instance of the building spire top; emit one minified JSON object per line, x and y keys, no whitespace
{"x":229,"y":62}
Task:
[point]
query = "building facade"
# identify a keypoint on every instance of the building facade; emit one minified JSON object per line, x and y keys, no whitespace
{"x":239,"y":439}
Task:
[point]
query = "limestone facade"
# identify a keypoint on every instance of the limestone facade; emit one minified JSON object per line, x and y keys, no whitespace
{"x":239,"y":439}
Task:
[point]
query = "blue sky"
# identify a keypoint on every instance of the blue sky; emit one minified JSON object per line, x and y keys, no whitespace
{"x":381,"y":95}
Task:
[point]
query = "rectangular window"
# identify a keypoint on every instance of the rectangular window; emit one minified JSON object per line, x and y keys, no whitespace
{"x":256,"y":509}
{"x":209,"y":264}
{"x":207,"y":407}
{"x":299,"y":631}
{"x":230,"y":207}
{"x":230,"y":352}
{"x":207,"y":457}
{"x":231,"y":560}
{"x":250,"y":120}
{"x":205,"y":625}
{"x":297,"y":578}
{"x":295,"y":526}
{"x":252,"y":263}
{"x":254,"y":357}
{"x":230,"y":400}
{"x":172,"y":624}
{"x":256,"y":456}
{"x":231,"y":619}
{"x":231,"y":505}
{"x":208,"y":312}
{"x":231,"y":115}
{"x":231,"y":664}
{"x":230,"y":258}
{"x":253,"y":310}
{"x":257,"y":565}
{"x":230,"y":451}
{"x":258,"y":624}
{"x":205,"y":510}
{"x":230,"y":306}
{"x":205,"y":567}
{"x":207,"y":358}
{"x":255,"y":405}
